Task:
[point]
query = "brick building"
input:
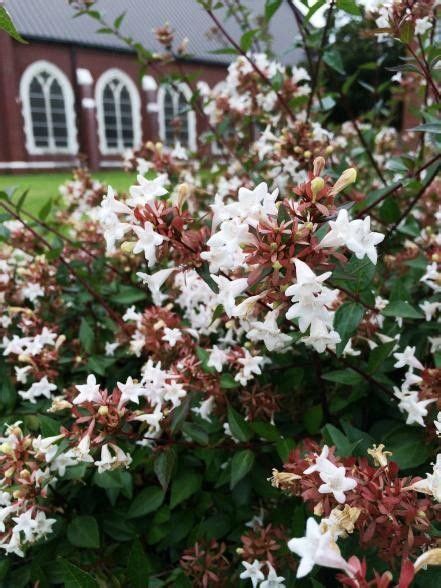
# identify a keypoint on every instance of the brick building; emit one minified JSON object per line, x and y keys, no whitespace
{"x":72,"y":91}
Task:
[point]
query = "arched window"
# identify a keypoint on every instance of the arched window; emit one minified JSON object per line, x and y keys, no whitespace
{"x":177,"y":122}
{"x":48,"y":110}
{"x":118,"y":111}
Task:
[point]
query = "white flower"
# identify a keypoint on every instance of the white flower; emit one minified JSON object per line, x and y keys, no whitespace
{"x":88,"y":392}
{"x":228,"y":290}
{"x":43,"y":524}
{"x":14,"y":544}
{"x":25,"y":524}
{"x":171,"y":336}
{"x":307,"y":282}
{"x":320,"y":337}
{"x":269,"y":332}
{"x":154,"y":283}
{"x":432,"y":483}
{"x":336,"y":483}
{"x":250,"y":365}
{"x":147,"y":242}
{"x":21,"y":373}
{"x":316,"y":548}
{"x":32,"y":291}
{"x":62,"y":461}
{"x":109,"y":461}
{"x":422,"y":25}
{"x":407,"y":358}
{"x":131,"y":314}
{"x":217,"y":358}
{"x":146,"y":191}
{"x":152,"y":419}
{"x":322,"y":463}
{"x":41,"y":388}
{"x":272,"y":580}
{"x":110,"y":348}
{"x":4,"y":514}
{"x":130,"y":391}
{"x":205,"y":409}
{"x":432,"y":277}
{"x":430,"y":309}
{"x":415,"y":408}
{"x":179,"y":152}
{"x":82,"y":450}
{"x":355,"y":235}
{"x":437,"y":424}
{"x":252,"y":572}
{"x":110,"y":204}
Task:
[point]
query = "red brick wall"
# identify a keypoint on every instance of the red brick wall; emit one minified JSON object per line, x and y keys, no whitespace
{"x":15,"y":58}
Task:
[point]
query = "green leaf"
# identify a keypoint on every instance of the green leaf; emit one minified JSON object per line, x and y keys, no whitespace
{"x":356,"y":275}
{"x":348,"y":377}
{"x":334,"y":60}
{"x":83,"y":532}
{"x":138,"y":566}
{"x":164,"y":465}
{"x":408,"y":446}
{"x":271,"y":6}
{"x":402,"y":309}
{"x":265,"y":430}
{"x":184,"y":486}
{"x":349,"y":6}
{"x":49,"y":427}
{"x":86,"y":335}
{"x":378,"y":355}
{"x":75,"y":577}
{"x":241,"y":464}
{"x":238,"y":427}
{"x":227,"y":381}
{"x":313,"y":419}
{"x":118,"y":21}
{"x":196,"y":432}
{"x":247,"y":38}
{"x":334,"y":436}
{"x":45,"y":210}
{"x":8,"y":26}
{"x":432,"y":127}
{"x":148,"y":500}
{"x":346,"y":320}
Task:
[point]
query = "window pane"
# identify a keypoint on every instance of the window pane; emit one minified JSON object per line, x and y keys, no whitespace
{"x":58,"y":114}
{"x":126,"y":118}
{"x":110,"y":129}
{"x":183,"y":119}
{"x":38,"y":114}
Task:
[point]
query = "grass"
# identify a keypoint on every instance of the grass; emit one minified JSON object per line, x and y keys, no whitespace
{"x":43,"y":186}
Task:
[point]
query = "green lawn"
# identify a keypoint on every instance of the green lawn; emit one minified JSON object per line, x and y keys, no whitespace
{"x":43,"y":186}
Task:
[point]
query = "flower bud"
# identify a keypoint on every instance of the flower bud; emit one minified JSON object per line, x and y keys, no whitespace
{"x":10,"y":472}
{"x":319,"y":165}
{"x":6,"y":448}
{"x":317,"y":185}
{"x":307,"y":154}
{"x":103,"y":410}
{"x":347,"y":178}
{"x":127,"y":246}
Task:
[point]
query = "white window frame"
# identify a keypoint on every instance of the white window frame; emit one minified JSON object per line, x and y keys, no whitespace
{"x":56,"y":73}
{"x":127,"y":81}
{"x":191,"y":115}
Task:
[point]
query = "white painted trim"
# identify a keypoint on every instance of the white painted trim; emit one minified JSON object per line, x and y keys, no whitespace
{"x":84,"y":77}
{"x":37,"y":164}
{"x":191,"y":115}
{"x":127,"y":81}
{"x":88,"y":103}
{"x":152,"y":107}
{"x":149,"y":84}
{"x":115,"y":163}
{"x":69,"y":103}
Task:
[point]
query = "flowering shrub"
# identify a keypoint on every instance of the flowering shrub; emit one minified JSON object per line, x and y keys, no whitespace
{"x":231,"y":372}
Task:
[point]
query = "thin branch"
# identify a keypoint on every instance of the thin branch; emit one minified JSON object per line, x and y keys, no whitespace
{"x":69,"y":268}
{"x":414,"y":200}
{"x":398,"y":186}
{"x":323,"y":42}
{"x":259,"y":72}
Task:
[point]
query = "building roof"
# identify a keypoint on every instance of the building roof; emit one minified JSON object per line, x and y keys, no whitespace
{"x":52,"y":20}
